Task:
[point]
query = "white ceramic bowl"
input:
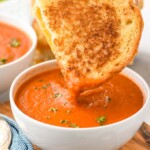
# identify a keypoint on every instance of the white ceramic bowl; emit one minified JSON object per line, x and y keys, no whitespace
{"x":9,"y":71}
{"x":49,"y":137}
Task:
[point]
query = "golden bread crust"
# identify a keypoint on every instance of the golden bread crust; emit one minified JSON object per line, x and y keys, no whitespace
{"x":92,"y":40}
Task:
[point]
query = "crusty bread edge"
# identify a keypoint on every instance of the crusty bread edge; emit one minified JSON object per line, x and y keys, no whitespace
{"x":37,"y":14}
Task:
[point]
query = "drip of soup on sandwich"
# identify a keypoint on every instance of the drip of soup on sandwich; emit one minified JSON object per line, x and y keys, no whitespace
{"x":14,"y":43}
{"x":45,"y":98}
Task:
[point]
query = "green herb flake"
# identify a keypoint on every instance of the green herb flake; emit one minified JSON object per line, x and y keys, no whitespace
{"x":101,"y":120}
{"x":46,"y":86}
{"x":15,"y":43}
{"x":57,"y":95}
{"x":40,"y":80}
{"x":63,"y":121}
{"x":3,"y":61}
{"x":36,"y":88}
{"x":53,"y":109}
{"x":73,"y":125}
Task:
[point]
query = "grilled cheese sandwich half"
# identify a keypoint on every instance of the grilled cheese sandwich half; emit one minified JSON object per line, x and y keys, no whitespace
{"x":92,"y":40}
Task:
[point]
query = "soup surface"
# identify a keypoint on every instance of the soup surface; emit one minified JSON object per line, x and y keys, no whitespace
{"x":13,"y":43}
{"x":46,"y":99}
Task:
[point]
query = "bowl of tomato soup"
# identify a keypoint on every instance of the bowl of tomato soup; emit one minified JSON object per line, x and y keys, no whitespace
{"x":18,"y":42}
{"x":52,"y":118}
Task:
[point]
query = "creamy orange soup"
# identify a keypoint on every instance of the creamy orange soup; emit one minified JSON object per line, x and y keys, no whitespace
{"x":46,"y":99}
{"x":13,"y":43}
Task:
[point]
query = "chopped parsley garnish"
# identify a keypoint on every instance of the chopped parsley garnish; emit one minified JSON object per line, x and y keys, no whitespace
{"x":41,"y":80}
{"x":43,"y":87}
{"x":63,"y":121}
{"x":46,"y":86}
{"x":36,"y":88}
{"x":101,"y":120}
{"x":57,"y":95}
{"x":73,"y":125}
{"x":15,"y":43}
{"x":53,"y":109}
{"x":3,"y":61}
{"x":69,"y":123}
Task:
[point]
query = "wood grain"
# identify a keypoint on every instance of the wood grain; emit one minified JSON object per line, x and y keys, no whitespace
{"x":136,"y":143}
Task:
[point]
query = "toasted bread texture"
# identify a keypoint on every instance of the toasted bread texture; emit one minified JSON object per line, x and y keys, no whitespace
{"x":92,"y":40}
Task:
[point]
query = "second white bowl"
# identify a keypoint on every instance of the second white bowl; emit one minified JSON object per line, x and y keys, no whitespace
{"x":9,"y":71}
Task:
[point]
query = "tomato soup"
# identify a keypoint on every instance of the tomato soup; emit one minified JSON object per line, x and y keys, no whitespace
{"x":13,"y":43}
{"x":46,"y":99}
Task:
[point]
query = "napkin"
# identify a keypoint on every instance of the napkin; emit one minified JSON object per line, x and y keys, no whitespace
{"x":19,"y":141}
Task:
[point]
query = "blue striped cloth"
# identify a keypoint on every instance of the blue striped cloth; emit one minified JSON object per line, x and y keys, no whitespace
{"x":19,"y":141}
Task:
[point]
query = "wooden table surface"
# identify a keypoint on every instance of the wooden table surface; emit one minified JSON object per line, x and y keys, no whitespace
{"x":136,"y":143}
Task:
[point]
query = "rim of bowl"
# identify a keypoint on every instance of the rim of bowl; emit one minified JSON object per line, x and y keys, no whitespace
{"x":75,"y":129}
{"x":28,"y":33}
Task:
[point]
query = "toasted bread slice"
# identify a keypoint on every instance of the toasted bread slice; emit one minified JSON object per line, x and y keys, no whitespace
{"x":92,"y":40}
